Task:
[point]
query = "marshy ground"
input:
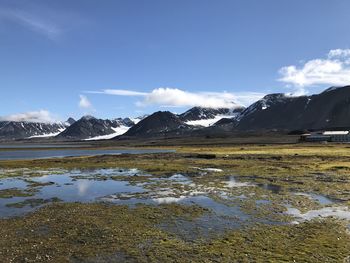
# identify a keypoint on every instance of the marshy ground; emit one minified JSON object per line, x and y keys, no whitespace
{"x":241,"y":203}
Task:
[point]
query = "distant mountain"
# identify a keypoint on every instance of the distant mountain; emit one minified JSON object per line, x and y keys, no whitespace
{"x":208,"y":116}
{"x":275,"y":112}
{"x":159,"y":123}
{"x":327,"y":110}
{"x":89,"y":127}
{"x":11,"y":130}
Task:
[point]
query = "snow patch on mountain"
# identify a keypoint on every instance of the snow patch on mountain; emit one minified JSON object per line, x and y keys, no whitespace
{"x":47,"y":135}
{"x":263,"y":104}
{"x":118,"y":131}
{"x":209,"y":122}
{"x":206,"y":117}
{"x":138,"y":119}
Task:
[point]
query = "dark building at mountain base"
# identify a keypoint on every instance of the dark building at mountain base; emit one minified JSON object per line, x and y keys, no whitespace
{"x":326,"y":136}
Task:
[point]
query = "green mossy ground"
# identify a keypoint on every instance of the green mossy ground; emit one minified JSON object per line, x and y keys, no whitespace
{"x":112,"y":233}
{"x":109,"y":233}
{"x":15,"y":192}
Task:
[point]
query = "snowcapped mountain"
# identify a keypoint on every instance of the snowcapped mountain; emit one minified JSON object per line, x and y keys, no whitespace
{"x":327,"y":110}
{"x":265,"y":103}
{"x":91,"y":128}
{"x":11,"y":130}
{"x":198,"y":116}
{"x":86,"y":128}
{"x":119,"y":126}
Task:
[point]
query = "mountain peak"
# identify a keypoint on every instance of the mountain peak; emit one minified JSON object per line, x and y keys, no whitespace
{"x":159,"y":122}
{"x":274,"y":96}
{"x":88,"y":117}
{"x":199,"y":113}
{"x":70,"y":121}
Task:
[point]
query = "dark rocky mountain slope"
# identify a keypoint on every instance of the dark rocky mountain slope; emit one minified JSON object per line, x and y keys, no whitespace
{"x":199,"y":113}
{"x":161,"y":122}
{"x":12,"y":130}
{"x":327,"y":110}
{"x":89,"y":127}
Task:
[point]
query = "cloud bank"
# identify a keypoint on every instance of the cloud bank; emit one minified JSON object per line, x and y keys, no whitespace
{"x":173,"y":97}
{"x":41,"y":116}
{"x":333,"y":70}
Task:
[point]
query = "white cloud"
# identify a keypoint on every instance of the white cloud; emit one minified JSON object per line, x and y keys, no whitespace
{"x":247,"y":98}
{"x":339,"y":53}
{"x":42,"y":116}
{"x":84,"y":102}
{"x":31,"y":21}
{"x":180,"y":98}
{"x":334,"y":70}
{"x":41,"y":18}
{"x":172,"y":97}
{"x":119,"y":92}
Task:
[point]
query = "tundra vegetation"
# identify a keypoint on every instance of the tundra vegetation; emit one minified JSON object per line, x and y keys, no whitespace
{"x":278,"y":203}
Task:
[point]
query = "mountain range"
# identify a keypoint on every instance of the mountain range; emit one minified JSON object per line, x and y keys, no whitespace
{"x":89,"y":127}
{"x":274,"y":112}
{"x":327,"y":110}
{"x":12,"y":130}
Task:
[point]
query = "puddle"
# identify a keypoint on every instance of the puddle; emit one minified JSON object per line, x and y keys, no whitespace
{"x":321,"y":199}
{"x":217,"y":170}
{"x":340,"y":212}
{"x":65,"y":187}
{"x":220,"y":219}
{"x":179,"y":178}
{"x":262,"y":202}
{"x":101,"y":185}
{"x":222,"y":196}
{"x":168,"y":200}
{"x":9,"y":183}
{"x":276,"y":189}
{"x":233,"y":183}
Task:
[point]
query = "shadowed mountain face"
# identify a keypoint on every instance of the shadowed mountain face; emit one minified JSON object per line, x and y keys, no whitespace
{"x":161,"y":122}
{"x":88,"y":127}
{"x":329,"y":109}
{"x":70,"y":121}
{"x":11,"y":130}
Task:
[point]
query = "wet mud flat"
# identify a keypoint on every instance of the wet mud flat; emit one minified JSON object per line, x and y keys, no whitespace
{"x":172,"y":208}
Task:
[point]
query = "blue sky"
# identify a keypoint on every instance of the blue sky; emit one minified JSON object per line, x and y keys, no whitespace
{"x":117,"y":58}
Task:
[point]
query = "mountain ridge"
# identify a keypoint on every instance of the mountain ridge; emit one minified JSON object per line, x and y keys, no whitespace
{"x":326,"y":110}
{"x":329,"y":109}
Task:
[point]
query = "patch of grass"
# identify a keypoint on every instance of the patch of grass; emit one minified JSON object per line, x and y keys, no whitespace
{"x":15,"y":192}
{"x":309,"y":168}
{"x":315,"y":241}
{"x":33,"y":202}
{"x":83,"y":232}
{"x":32,"y":183}
{"x":79,"y":231}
